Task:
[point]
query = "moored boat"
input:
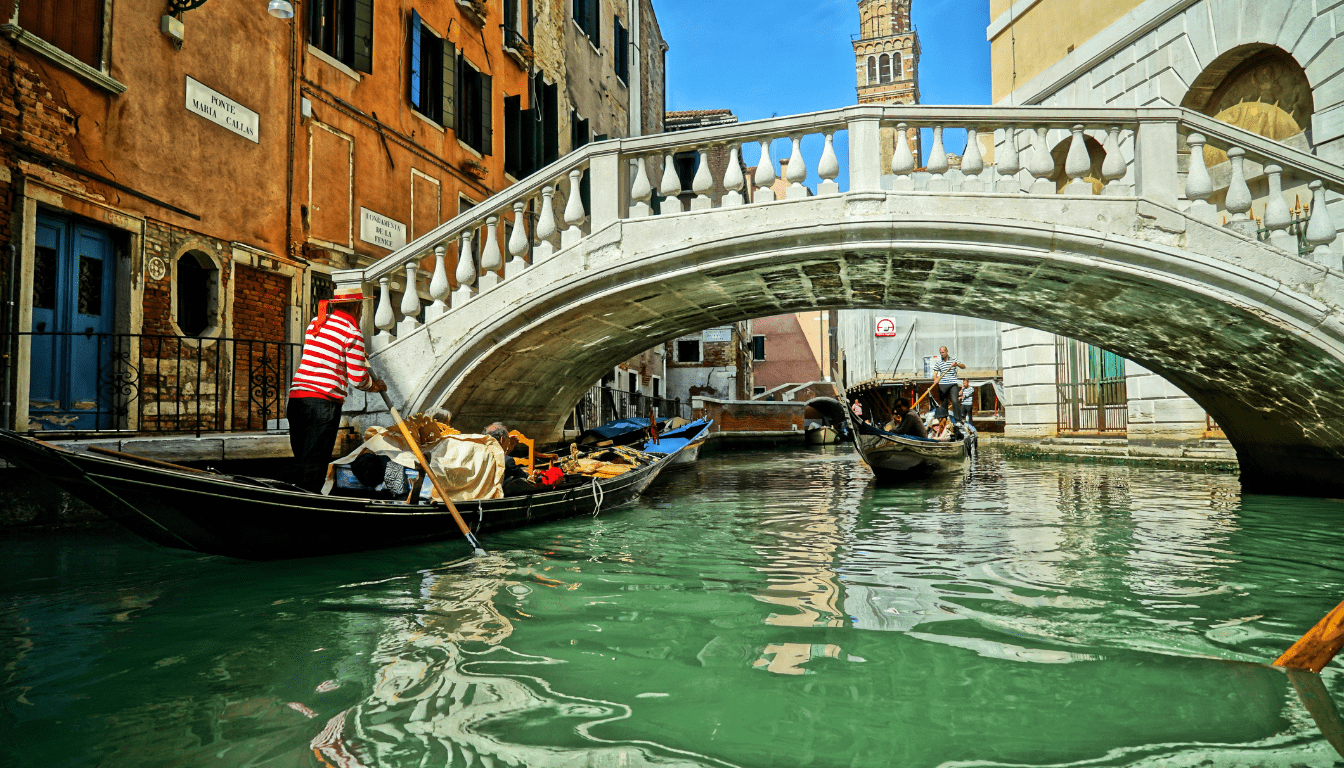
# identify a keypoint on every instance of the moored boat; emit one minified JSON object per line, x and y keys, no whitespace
{"x":822,"y":434}
{"x":262,"y":519}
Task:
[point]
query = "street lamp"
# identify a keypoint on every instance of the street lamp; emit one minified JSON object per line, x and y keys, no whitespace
{"x":280,"y":9}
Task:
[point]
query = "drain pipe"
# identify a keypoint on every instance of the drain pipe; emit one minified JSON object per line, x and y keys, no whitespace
{"x":10,"y":316}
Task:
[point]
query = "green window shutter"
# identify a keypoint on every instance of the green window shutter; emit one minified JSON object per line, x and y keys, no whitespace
{"x":595,"y":22}
{"x":447,"y":119}
{"x":487,"y":114}
{"x":363,"y":53}
{"x":417,"y":89}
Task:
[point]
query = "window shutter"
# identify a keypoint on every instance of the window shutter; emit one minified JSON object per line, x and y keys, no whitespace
{"x":447,"y":119}
{"x":580,"y":12}
{"x":595,"y":22}
{"x":513,"y":135}
{"x":363,"y":59}
{"x":531,"y":150}
{"x":487,"y":114}
{"x":417,"y":90}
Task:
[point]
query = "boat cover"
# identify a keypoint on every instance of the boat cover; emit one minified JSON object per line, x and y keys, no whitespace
{"x":614,"y":429}
{"x":678,"y":438}
{"x":470,"y":466}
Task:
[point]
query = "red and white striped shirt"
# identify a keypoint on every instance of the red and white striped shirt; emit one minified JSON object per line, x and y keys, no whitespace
{"x":332,"y":355}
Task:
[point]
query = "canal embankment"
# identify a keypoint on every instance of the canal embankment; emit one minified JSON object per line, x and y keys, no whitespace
{"x":1206,"y":456}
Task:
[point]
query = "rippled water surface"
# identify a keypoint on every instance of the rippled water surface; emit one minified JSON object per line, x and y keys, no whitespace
{"x":758,"y":609}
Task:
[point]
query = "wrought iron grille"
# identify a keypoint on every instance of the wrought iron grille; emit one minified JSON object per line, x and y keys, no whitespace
{"x":1092,"y":396}
{"x":158,"y":383}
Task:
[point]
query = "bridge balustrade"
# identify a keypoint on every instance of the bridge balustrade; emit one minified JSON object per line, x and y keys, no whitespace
{"x":1158,"y":154}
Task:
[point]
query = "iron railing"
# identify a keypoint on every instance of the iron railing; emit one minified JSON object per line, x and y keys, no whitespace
{"x":146,"y":382}
{"x":1092,"y":394}
{"x":602,"y":404}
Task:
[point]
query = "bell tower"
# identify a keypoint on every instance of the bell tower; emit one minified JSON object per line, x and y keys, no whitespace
{"x":886,"y":53}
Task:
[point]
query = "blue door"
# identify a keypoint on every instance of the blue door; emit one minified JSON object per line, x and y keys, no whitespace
{"x":72,"y":344}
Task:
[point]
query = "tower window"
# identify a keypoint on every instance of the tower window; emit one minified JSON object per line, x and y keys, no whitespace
{"x":872,"y":70}
{"x":896,"y":66}
{"x":884,"y":65}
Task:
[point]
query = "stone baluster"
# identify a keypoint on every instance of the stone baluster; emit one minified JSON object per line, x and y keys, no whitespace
{"x":410,"y":302}
{"x":1009,"y":164}
{"x":574,"y":213}
{"x":492,"y":258}
{"x":938,"y":165}
{"x":1238,"y":199}
{"x":828,"y":168}
{"x":796,"y":173}
{"x":703,"y":183}
{"x":439,"y":287}
{"x":641,"y":191}
{"x":733,"y":180}
{"x":1113,"y":168}
{"x":1198,"y":184}
{"x":670,"y":187}
{"x":972,"y":164}
{"x":546,"y":228}
{"x":384,"y":319}
{"x":466,"y":271}
{"x":765,"y":176}
{"x":903,"y":161}
{"x":1277,"y":216}
{"x":1077,"y":163}
{"x":1042,"y":165}
{"x":1321,"y":230}
{"x":518,"y":241}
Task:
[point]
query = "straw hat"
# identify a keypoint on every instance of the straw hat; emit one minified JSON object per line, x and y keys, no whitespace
{"x":347,"y":294}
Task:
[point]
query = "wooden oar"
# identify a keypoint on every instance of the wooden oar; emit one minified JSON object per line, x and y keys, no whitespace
{"x":926,"y":394}
{"x":1316,"y":648}
{"x":433,"y":478}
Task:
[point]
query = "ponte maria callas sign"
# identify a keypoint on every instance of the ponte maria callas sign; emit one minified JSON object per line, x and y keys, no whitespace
{"x":221,"y":110}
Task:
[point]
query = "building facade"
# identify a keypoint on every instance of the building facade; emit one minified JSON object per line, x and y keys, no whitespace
{"x":1270,"y":68}
{"x":175,"y":190}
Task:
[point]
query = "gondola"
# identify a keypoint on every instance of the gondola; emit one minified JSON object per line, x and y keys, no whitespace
{"x":685,"y":439}
{"x":896,"y":458}
{"x":261,"y":519}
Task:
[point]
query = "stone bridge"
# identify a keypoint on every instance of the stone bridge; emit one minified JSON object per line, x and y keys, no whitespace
{"x":1126,"y":228}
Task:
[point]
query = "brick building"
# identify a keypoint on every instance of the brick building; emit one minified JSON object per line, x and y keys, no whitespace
{"x":176,"y":189}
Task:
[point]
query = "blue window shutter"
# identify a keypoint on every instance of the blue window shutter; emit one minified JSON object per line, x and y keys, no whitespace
{"x":417,"y":94}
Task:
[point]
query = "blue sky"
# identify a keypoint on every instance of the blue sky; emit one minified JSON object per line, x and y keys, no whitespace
{"x":765,"y":57}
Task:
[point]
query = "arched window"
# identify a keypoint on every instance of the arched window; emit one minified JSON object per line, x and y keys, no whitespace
{"x":895,"y":66}
{"x":196,"y":288}
{"x":884,"y":64}
{"x":872,"y":70}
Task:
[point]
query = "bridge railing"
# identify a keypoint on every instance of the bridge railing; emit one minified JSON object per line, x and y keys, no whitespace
{"x":1171,"y":156}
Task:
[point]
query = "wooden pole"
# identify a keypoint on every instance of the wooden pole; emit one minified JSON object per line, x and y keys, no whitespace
{"x":433,"y":478}
{"x":1316,"y":648}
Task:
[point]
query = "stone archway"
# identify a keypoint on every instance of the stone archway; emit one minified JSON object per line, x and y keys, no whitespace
{"x":1242,"y":347}
{"x":1256,"y":87}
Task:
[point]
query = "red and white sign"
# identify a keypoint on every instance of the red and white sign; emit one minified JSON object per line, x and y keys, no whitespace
{"x":885,"y":327}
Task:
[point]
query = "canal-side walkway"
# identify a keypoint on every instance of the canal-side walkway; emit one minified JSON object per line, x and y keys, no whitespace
{"x":1207,"y":456}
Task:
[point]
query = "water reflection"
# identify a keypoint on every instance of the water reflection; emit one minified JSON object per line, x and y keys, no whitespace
{"x":755,"y":610}
{"x":446,"y":692}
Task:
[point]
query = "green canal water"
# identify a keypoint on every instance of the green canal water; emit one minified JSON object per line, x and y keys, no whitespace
{"x":758,"y":609}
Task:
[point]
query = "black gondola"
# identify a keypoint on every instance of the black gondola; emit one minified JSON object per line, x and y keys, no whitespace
{"x":260,"y":519}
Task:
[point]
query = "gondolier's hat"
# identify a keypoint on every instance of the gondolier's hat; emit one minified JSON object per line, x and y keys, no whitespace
{"x":343,"y":295}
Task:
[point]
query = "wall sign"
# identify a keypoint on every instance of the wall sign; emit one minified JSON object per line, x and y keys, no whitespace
{"x":380,"y":230}
{"x":885,"y":327}
{"x":221,"y":110}
{"x":716,"y":334}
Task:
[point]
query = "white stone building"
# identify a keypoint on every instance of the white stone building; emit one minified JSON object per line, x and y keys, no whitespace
{"x":1269,"y":66}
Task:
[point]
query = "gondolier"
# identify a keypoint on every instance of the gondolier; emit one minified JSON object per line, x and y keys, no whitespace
{"x":948,"y":382}
{"x":333,"y":355}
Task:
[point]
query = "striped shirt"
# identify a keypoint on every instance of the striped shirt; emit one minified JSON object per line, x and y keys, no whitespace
{"x":947,"y":369}
{"x":332,"y":355}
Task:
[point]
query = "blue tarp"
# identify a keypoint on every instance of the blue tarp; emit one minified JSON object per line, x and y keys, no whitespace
{"x":678,"y":438}
{"x":614,"y":429}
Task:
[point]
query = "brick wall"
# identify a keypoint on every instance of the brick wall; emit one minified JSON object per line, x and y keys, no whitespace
{"x":262,"y":371}
{"x":751,"y":416}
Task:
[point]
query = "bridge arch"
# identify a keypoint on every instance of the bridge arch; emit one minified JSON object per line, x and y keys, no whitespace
{"x":1253,"y":331}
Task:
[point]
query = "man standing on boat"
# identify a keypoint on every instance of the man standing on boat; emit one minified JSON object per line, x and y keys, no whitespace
{"x":333,"y":354}
{"x":948,"y":382}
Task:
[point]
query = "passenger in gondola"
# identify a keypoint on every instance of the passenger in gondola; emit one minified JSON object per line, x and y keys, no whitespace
{"x":909,"y":423}
{"x":941,"y":431}
{"x":333,"y":357}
